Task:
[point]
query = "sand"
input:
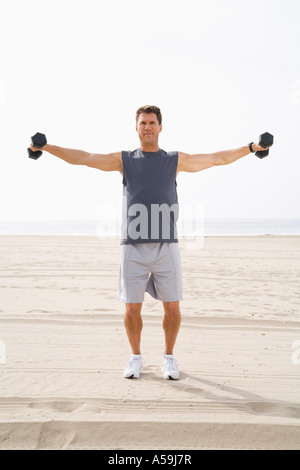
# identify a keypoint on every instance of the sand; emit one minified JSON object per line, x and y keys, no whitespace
{"x":238,"y":348}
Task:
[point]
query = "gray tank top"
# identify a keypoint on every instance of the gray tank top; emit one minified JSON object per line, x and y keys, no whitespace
{"x":150,"y":204}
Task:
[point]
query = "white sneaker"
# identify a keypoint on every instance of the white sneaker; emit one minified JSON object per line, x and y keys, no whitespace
{"x":170,"y":367}
{"x":134,"y":367}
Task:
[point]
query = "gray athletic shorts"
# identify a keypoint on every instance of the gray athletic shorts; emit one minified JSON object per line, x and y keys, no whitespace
{"x":150,"y":267}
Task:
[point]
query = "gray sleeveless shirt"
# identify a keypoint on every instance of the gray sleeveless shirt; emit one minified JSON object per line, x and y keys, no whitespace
{"x":150,"y":203}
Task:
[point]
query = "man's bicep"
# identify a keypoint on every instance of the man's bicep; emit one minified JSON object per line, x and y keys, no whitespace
{"x":105,"y":162}
{"x":195,"y":162}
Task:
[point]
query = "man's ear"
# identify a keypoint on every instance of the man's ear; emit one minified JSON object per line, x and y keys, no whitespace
{"x":160,"y":128}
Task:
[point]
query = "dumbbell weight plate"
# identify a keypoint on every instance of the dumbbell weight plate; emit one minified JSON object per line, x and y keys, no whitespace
{"x":266,"y":140}
{"x":34,"y":155}
{"x":262,"y":153}
{"x":39,"y":140}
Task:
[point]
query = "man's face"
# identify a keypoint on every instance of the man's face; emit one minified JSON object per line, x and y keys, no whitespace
{"x":148,"y":128}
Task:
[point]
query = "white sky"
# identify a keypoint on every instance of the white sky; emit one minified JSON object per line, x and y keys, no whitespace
{"x":222,"y":72}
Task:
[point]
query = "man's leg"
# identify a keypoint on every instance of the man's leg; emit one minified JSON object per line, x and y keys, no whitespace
{"x":171,"y":324}
{"x":134,"y":324}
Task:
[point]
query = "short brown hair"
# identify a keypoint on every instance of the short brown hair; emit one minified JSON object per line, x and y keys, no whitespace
{"x":149,"y":109}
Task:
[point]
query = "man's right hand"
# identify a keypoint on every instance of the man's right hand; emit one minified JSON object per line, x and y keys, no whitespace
{"x":34,"y":149}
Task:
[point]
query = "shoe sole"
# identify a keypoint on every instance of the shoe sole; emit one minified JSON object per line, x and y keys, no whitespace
{"x":133,"y":376}
{"x":169,"y":377}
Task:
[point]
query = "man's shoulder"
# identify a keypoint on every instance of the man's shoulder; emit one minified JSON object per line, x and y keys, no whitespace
{"x":172,"y":153}
{"x":129,"y":153}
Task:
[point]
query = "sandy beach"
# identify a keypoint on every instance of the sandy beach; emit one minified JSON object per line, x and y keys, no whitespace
{"x":61,"y":386}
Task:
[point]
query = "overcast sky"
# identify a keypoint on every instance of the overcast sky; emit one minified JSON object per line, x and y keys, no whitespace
{"x":222,"y":73}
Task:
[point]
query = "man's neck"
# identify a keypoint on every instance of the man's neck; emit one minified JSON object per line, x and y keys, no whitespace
{"x":149,"y":148}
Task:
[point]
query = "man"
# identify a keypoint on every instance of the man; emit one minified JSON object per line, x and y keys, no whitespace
{"x":150,"y":258}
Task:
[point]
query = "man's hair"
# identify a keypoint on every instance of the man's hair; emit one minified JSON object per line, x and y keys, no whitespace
{"x":149,"y":109}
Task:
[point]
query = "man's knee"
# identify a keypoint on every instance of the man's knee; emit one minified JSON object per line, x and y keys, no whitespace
{"x":172,"y":308}
{"x":133,"y":308}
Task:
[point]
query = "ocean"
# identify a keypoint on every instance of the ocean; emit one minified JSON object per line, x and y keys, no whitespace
{"x":111,"y":228}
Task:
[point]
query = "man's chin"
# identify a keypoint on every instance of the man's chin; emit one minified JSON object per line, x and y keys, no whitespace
{"x":149,"y":141}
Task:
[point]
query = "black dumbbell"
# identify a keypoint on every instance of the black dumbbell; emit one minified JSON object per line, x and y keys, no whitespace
{"x":266,"y":141}
{"x":39,"y":141}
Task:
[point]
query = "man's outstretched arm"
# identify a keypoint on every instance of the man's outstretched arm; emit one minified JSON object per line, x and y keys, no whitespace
{"x":198,"y":162}
{"x":105,"y":162}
